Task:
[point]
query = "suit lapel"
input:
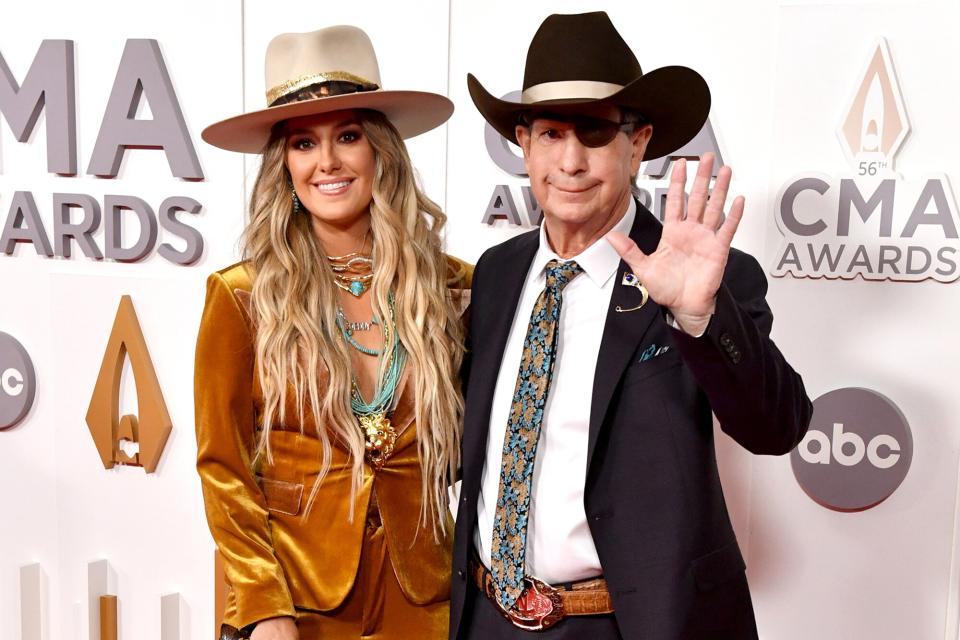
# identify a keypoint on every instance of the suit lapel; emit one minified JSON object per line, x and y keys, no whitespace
{"x":503,"y":281}
{"x":622,"y":332}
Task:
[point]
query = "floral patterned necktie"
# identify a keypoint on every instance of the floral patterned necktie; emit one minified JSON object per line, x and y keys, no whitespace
{"x":509,"y":545}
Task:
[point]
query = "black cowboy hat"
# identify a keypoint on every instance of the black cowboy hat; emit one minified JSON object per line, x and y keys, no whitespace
{"x":582,"y":60}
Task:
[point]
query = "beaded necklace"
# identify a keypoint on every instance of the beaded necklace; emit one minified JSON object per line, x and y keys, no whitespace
{"x":348,"y":328}
{"x":379,"y":434}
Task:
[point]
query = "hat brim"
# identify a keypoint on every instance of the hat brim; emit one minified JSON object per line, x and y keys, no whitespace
{"x":675,"y":100}
{"x":411,"y":112}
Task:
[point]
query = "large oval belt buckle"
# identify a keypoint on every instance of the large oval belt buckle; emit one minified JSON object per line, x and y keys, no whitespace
{"x":538,"y":607}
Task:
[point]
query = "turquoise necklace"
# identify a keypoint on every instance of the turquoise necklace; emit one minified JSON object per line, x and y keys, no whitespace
{"x":379,"y":434}
{"x":348,"y":328}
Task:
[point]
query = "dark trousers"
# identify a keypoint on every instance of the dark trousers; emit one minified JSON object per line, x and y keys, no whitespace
{"x":483,"y":621}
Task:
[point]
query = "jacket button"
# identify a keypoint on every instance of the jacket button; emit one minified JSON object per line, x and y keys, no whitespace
{"x":726,"y":340}
{"x":461,"y":574}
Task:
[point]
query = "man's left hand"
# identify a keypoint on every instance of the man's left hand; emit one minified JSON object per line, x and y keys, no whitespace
{"x":685,"y":271}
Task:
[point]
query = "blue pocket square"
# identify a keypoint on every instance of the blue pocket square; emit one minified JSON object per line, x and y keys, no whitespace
{"x":653,"y":351}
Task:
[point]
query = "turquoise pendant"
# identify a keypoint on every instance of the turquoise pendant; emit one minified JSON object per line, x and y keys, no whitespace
{"x":357,"y":288}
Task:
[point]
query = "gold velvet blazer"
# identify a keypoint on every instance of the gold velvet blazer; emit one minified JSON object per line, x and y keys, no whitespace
{"x":275,"y":557}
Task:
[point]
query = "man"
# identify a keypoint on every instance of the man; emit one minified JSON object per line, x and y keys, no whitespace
{"x":591,"y":506}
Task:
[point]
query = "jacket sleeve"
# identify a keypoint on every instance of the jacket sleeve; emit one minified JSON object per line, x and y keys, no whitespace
{"x":757,"y":397}
{"x":460,"y":281}
{"x":468,"y":337}
{"x":235,"y":506}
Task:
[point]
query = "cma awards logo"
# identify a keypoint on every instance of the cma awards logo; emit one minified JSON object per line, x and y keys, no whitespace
{"x":136,"y":440}
{"x":872,"y":222}
{"x":857,"y":452}
{"x":18,"y":382}
{"x":651,"y":192}
{"x":49,"y":87}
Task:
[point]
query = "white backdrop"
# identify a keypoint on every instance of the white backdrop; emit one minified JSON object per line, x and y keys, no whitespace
{"x":781,"y":75}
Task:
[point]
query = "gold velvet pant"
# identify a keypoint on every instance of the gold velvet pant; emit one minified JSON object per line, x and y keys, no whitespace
{"x":376,"y":608}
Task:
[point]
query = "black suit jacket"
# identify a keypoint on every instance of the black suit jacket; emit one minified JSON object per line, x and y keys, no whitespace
{"x":652,"y":494}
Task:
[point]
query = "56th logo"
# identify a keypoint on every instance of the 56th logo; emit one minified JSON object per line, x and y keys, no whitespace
{"x":873,"y":222}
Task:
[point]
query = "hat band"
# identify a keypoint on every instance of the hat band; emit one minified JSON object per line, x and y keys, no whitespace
{"x":298,"y":84}
{"x":569,"y":90}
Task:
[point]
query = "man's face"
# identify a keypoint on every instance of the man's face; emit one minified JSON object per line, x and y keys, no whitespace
{"x":578,"y":184}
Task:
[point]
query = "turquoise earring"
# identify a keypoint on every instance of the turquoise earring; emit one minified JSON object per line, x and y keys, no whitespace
{"x":294,"y":198}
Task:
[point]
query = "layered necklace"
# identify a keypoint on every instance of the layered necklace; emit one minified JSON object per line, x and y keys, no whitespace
{"x":353,"y":272}
{"x":379,"y":435}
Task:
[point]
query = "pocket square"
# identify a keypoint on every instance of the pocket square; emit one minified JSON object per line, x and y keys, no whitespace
{"x":653,"y":351}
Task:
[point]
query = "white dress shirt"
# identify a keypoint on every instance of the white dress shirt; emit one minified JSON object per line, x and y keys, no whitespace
{"x":559,"y":545}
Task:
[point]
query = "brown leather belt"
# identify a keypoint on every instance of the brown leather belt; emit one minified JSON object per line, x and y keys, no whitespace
{"x":541,"y":606}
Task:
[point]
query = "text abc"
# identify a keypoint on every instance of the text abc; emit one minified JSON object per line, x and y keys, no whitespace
{"x":883,"y":451}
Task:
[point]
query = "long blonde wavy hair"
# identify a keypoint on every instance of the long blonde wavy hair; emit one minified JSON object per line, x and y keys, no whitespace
{"x":295,"y":301}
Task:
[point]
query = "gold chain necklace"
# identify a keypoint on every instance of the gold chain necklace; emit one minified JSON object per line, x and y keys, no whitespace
{"x":353,"y":272}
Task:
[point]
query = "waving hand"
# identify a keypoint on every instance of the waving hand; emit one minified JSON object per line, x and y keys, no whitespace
{"x":685,"y":271}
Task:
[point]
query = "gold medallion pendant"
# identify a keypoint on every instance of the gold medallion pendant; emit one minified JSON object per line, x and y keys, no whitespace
{"x":380,"y":438}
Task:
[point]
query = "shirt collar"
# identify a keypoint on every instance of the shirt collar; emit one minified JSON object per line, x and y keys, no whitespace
{"x":599,"y":261}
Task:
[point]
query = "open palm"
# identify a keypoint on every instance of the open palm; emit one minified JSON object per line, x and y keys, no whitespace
{"x":685,"y":271}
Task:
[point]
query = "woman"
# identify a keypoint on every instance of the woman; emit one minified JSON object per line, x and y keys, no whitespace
{"x":326,"y":375}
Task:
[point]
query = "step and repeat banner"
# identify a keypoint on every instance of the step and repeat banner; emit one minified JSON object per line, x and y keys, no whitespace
{"x":837,"y":117}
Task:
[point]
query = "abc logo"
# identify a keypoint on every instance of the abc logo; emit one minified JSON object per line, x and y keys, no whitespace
{"x":17,"y":382}
{"x":857,"y":452}
{"x":854,"y":453}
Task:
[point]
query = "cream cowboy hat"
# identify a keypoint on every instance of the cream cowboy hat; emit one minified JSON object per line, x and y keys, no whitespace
{"x":339,"y":63}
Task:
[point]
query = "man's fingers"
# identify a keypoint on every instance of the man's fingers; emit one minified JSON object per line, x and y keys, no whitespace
{"x":718,"y":197}
{"x":673,"y":211}
{"x":628,"y":250}
{"x":729,"y":226}
{"x":701,"y":184}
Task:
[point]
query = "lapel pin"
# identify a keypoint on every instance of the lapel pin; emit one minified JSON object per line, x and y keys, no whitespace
{"x":630,"y":280}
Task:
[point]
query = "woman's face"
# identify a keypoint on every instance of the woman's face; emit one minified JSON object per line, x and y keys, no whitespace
{"x":332,"y":165}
